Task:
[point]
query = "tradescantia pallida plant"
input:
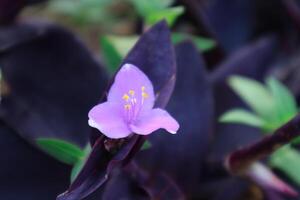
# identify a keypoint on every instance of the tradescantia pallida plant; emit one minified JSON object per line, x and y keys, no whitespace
{"x":176,"y":166}
{"x":184,"y":95}
{"x":106,"y":153}
{"x":88,"y":179}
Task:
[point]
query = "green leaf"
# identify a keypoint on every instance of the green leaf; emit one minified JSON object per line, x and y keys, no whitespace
{"x":285,"y":103}
{"x":111,"y":56}
{"x":146,"y":145}
{"x":145,"y":7}
{"x":115,"y":48}
{"x":202,"y":44}
{"x":242,"y":117}
{"x":169,"y":14}
{"x":287,"y":160}
{"x":255,"y":94}
{"x":273,"y":103}
{"x":123,"y":44}
{"x":61,"y":150}
{"x":80,"y":163}
{"x":76,"y":169}
{"x":155,"y":10}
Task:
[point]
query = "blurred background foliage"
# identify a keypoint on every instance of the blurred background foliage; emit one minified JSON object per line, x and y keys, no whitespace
{"x":110,"y":27}
{"x":252,"y":38}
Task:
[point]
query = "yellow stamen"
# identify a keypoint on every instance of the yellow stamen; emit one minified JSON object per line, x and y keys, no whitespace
{"x":125,"y":97}
{"x":143,"y":88}
{"x":127,"y":107}
{"x":131,"y":92}
{"x":145,"y":95}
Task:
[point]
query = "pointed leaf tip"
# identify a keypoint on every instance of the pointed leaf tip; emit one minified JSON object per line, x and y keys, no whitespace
{"x":242,"y":117}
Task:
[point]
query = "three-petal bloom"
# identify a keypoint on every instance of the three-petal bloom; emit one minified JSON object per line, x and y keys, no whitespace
{"x":129,"y":107}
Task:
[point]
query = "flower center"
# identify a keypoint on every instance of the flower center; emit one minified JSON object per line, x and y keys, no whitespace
{"x":134,"y":103}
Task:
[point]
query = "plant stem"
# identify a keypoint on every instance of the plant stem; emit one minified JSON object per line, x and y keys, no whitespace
{"x":240,"y":160}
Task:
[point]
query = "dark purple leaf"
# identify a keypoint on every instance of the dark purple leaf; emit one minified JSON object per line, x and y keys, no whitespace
{"x":9,"y":9}
{"x":52,"y":82}
{"x":98,"y":167}
{"x":18,"y":34}
{"x":293,"y":10}
{"x":231,"y":188}
{"x":143,"y":183}
{"x":220,"y":18}
{"x":27,"y":173}
{"x":194,"y":11}
{"x":181,"y":156}
{"x":230,"y":30}
{"x":253,"y":60}
{"x":154,"y":55}
{"x":234,"y":23}
{"x":158,"y":185}
{"x":123,"y":186}
{"x":290,"y":74}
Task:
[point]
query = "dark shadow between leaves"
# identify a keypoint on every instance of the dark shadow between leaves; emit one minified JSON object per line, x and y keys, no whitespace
{"x":26,"y":172}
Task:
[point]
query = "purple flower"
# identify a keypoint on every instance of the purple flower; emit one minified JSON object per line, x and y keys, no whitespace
{"x":129,"y":107}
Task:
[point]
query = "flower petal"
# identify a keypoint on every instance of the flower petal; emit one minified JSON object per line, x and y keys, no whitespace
{"x":109,"y":120}
{"x":132,"y":78}
{"x":153,"y":120}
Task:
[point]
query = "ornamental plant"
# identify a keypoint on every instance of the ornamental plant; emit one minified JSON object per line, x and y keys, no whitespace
{"x":89,"y":90}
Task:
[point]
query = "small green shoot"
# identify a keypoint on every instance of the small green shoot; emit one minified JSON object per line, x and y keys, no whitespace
{"x":272,"y":105}
{"x":154,"y":11}
{"x":146,"y":145}
{"x":202,"y":44}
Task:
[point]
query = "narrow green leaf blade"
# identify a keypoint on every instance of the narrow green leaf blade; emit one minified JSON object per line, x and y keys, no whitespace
{"x":80,"y":163}
{"x":111,"y":56}
{"x":287,"y":160}
{"x":242,"y":117}
{"x":255,"y":95}
{"x":285,"y":103}
{"x":145,"y":7}
{"x":76,"y":169}
{"x":202,"y":44}
{"x":169,"y":14}
{"x":61,"y":150}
